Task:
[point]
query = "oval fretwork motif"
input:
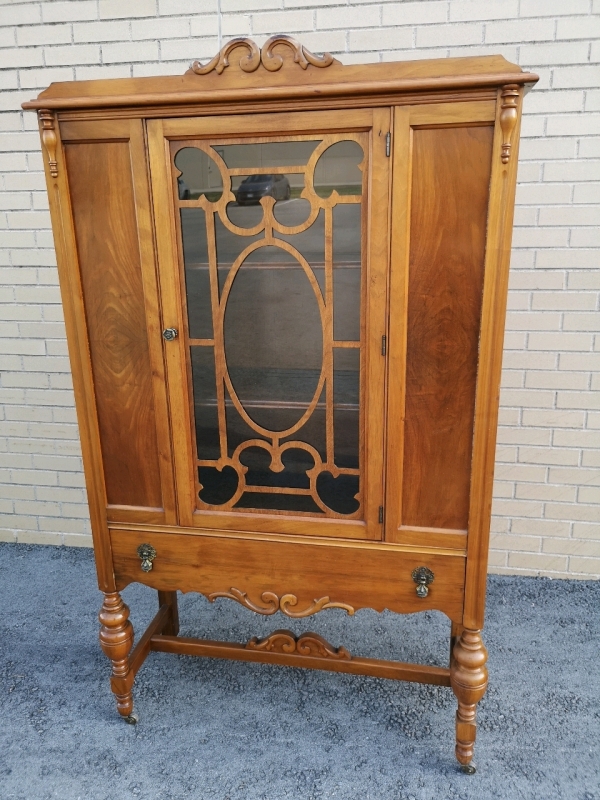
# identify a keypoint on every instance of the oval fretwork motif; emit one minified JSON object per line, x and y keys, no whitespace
{"x":274,"y":358}
{"x":271,"y":248}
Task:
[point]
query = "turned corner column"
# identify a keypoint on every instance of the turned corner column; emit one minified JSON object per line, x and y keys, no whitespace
{"x":468,"y":678}
{"x":116,"y":640}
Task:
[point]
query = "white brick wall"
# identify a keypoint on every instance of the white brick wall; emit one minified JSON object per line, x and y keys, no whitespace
{"x":547,"y":495}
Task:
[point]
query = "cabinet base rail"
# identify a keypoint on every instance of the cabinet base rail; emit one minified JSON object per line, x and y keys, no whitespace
{"x":154,"y":640}
{"x":466,"y":675}
{"x":396,"y":670}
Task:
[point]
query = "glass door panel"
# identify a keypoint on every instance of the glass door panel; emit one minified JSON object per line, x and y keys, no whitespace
{"x":272,"y":244}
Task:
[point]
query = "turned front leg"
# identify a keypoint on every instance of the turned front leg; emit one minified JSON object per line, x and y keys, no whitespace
{"x":468,"y":678}
{"x":116,"y":640}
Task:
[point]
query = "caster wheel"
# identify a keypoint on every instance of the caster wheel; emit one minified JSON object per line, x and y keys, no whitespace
{"x":131,"y":719}
{"x":468,"y":769}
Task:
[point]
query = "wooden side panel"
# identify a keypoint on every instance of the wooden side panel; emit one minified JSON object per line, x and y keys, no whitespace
{"x":449,"y":200}
{"x":104,"y":212}
{"x":500,"y":218}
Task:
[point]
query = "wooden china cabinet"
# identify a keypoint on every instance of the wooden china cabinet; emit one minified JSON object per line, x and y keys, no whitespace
{"x":284,"y":283}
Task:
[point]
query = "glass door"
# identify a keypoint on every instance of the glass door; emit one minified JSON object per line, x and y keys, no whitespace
{"x":272,"y":236}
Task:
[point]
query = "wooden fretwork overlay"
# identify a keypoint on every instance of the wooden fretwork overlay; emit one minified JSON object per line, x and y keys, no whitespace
{"x":272,"y":245}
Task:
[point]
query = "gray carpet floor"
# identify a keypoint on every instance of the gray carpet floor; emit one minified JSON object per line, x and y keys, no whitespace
{"x":222,"y":730}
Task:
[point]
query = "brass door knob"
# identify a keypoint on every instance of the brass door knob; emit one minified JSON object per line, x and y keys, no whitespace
{"x":170,"y":333}
{"x":422,"y":576}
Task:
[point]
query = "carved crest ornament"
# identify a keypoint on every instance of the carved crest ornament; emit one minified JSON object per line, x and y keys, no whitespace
{"x":256,"y":56}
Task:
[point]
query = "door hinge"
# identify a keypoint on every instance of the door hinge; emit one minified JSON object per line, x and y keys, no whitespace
{"x":381,"y":515}
{"x":388,"y":143}
{"x":383,"y":345}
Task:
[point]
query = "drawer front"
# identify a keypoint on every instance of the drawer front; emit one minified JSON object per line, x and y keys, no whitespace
{"x":298,"y":578}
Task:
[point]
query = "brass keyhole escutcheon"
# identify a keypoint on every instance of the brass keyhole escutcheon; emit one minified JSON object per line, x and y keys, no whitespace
{"x":147,"y":553}
{"x":169,"y":334}
{"x":422,"y":576}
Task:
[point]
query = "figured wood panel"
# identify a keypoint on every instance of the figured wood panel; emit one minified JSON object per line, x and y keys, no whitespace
{"x":104,"y":214}
{"x":449,"y":199}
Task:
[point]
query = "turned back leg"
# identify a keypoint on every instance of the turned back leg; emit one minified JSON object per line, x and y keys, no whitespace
{"x":455,"y":632}
{"x":170,"y":599}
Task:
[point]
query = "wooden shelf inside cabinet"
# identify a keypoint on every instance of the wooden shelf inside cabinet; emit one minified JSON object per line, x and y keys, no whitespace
{"x":285,"y":301}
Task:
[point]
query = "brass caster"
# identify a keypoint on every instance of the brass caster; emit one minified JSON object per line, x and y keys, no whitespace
{"x":131,"y":719}
{"x":468,"y":769}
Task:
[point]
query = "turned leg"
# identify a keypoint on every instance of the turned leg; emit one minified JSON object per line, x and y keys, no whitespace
{"x":468,"y":678}
{"x":116,"y":640}
{"x":170,"y":599}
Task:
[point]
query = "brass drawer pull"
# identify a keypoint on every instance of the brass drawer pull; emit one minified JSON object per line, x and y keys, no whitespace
{"x":147,"y":553}
{"x":422,"y":576}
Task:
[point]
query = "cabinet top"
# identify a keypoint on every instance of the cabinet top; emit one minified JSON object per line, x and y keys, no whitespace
{"x":282,"y":69}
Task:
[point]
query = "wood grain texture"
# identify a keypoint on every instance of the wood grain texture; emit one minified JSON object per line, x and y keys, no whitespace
{"x":394,"y":670}
{"x":104,"y":213}
{"x":235,"y":85}
{"x":401,"y":155}
{"x":304,"y":104}
{"x":495,"y":291}
{"x":116,"y":640}
{"x":173,"y":316}
{"x":469,"y":679}
{"x":210,"y":564}
{"x":449,"y":199}
{"x":148,"y":260}
{"x":75,"y":323}
{"x":377,"y":237}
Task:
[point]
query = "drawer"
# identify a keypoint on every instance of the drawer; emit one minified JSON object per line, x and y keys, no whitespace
{"x":295,"y":576}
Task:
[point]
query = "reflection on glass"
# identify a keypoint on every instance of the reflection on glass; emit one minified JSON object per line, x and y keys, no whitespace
{"x":268,"y":154}
{"x":197,"y":278}
{"x":346,"y":390}
{"x":313,"y":432}
{"x":238,"y":430}
{"x":245,"y":216}
{"x":250,"y":189}
{"x":199,"y":175}
{"x":278,"y":502}
{"x":311,"y":242}
{"x":276,"y":327}
{"x":273,"y":338}
{"x":295,"y":461}
{"x":218,"y":485}
{"x":346,"y":272}
{"x":289,"y":209}
{"x":339,"y":493}
{"x":229,"y":247}
{"x":338,"y":169}
{"x":205,"y":402}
